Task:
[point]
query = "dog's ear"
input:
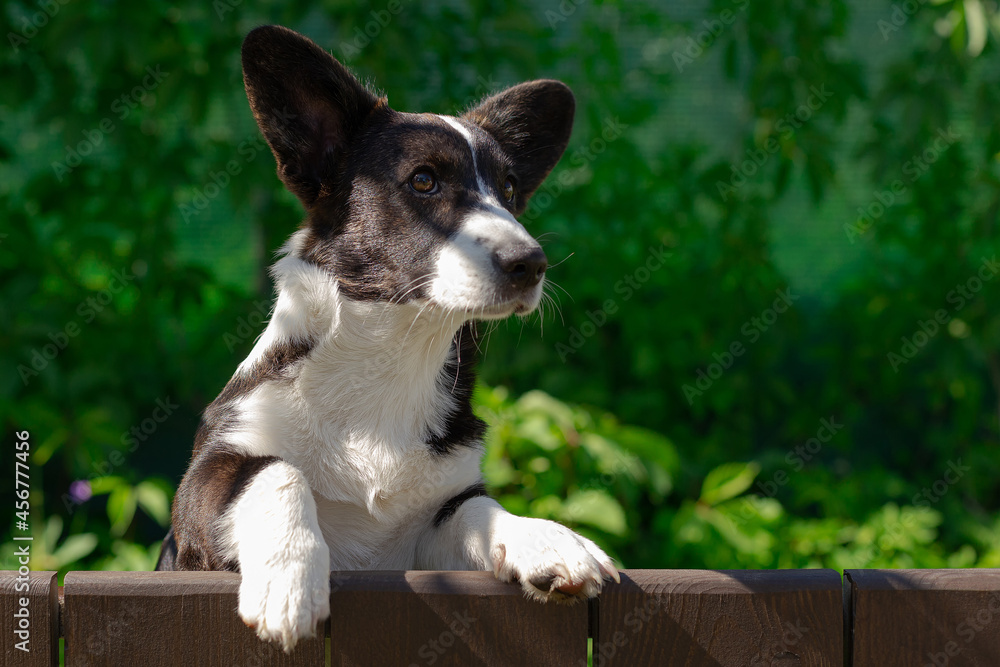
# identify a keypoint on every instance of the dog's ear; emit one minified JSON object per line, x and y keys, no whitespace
{"x":307,"y":104}
{"x":532,"y":122}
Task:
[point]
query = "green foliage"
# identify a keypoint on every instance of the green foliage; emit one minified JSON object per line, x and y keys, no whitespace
{"x":556,"y":461}
{"x":772,"y":217}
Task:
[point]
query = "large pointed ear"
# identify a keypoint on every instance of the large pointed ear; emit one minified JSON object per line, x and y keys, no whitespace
{"x":307,"y":105}
{"x":532,"y":122}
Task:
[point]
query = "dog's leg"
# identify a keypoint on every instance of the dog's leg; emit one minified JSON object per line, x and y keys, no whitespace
{"x":551,"y":562}
{"x":275,"y":536}
{"x":257,"y":514}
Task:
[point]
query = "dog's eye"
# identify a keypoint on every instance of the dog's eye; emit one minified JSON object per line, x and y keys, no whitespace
{"x":423,"y":182}
{"x":508,"y":190}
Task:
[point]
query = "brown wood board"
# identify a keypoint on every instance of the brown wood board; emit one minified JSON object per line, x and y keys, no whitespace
{"x":449,"y":618}
{"x":166,"y":619}
{"x":698,"y":618}
{"x":39,"y":591}
{"x":912,"y":618}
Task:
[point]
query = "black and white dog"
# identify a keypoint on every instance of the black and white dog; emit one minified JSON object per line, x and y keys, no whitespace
{"x":346,"y":440}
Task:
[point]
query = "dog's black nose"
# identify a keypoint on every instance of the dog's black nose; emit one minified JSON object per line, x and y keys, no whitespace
{"x":523,"y":265}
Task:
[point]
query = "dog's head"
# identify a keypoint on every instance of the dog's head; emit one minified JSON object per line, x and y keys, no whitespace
{"x":408,"y":207}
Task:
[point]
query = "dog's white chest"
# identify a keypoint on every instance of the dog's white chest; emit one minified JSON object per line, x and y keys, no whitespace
{"x":376,"y":510}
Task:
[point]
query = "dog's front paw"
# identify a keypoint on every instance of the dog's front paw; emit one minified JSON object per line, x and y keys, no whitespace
{"x":287,"y":598}
{"x":549,"y":560}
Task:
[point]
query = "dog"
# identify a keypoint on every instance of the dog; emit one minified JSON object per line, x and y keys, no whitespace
{"x":347,"y":439}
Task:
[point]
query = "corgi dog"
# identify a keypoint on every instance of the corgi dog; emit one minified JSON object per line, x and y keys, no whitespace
{"x":347,"y":439}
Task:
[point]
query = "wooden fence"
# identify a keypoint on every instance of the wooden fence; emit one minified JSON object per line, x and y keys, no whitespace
{"x":682,"y":618}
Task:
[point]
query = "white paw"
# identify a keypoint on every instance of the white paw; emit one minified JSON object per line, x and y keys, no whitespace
{"x":549,"y":560}
{"x":286,"y":598}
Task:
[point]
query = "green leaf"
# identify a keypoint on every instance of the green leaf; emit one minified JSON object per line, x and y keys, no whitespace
{"x":100,"y":486}
{"x":746,"y":537}
{"x":52,"y":532}
{"x":74,"y":548}
{"x":498,"y":472}
{"x":547,"y":507}
{"x":728,"y":481}
{"x":121,"y":509}
{"x":537,"y":429}
{"x":154,"y":500}
{"x":539,"y":401}
{"x":595,"y":507}
{"x":648,"y":445}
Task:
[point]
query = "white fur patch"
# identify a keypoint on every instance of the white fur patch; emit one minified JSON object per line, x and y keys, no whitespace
{"x":465,"y":277}
{"x":271,"y":530}
{"x":543,"y":556}
{"x":484,"y":191}
{"x":356,"y":418}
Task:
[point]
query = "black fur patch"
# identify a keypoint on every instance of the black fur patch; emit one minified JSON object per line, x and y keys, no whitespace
{"x":215,"y":479}
{"x":307,"y":104}
{"x":532,"y":122}
{"x":375,"y":234}
{"x":452,"y":504}
{"x":168,"y":553}
{"x":270,"y":366}
{"x":458,"y":378}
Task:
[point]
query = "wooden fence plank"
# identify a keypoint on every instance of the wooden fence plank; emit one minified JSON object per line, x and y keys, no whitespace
{"x":681,"y":618}
{"x":449,"y":618}
{"x":168,"y":619}
{"x":39,"y":591}
{"x":698,"y":618}
{"x":914,"y":618}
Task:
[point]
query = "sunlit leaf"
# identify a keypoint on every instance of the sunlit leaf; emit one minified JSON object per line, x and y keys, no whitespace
{"x":728,"y":481}
{"x":596,"y":508}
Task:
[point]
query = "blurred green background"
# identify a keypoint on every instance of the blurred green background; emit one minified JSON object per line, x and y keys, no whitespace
{"x":774,"y":239}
